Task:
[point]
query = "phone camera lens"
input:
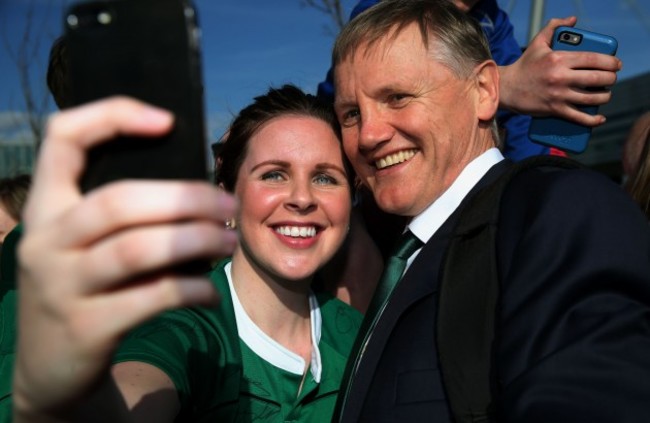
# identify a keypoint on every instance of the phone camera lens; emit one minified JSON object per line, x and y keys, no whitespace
{"x":73,"y":21}
{"x":566,"y":36}
{"x":104,"y":18}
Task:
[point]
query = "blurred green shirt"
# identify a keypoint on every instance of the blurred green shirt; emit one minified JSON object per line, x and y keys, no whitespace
{"x":219,"y":378}
{"x":8,"y":315}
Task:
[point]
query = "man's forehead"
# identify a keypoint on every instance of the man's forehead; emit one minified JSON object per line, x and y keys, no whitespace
{"x":384,"y":58}
{"x":381,"y":45}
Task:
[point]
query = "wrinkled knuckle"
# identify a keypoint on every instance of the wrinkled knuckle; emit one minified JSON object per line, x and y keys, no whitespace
{"x":555,"y":98}
{"x":204,"y":234}
{"x":592,"y":79}
{"x":165,"y":295}
{"x":110,"y":206}
{"x":554,"y":79}
{"x":58,"y":127}
{"x":554,"y":59}
{"x":128,"y":255}
{"x":54,"y":123}
{"x":170,"y":292}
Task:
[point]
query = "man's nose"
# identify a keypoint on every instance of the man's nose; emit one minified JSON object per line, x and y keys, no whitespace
{"x":374,"y":129}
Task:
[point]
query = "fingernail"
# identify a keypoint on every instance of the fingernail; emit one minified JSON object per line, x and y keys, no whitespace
{"x":157,"y":115}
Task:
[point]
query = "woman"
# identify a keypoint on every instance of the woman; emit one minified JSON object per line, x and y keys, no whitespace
{"x":636,"y":162}
{"x":272,"y":350}
{"x":13,"y":193}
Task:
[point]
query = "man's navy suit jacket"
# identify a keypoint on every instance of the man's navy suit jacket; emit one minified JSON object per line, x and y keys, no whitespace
{"x":573,"y":337}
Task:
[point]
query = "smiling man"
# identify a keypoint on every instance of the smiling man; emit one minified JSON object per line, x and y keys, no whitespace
{"x":416,"y":96}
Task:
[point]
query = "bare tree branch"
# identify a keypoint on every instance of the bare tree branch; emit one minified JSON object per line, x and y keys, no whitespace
{"x":333,"y":9}
{"x":25,"y":56}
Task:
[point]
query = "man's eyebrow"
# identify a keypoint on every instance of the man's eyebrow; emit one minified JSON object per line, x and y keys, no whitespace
{"x":380,"y":92}
{"x":344,"y":104}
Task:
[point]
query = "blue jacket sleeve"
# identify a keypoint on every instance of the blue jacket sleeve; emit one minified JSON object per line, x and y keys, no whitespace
{"x":506,"y":50}
{"x":326,"y":88}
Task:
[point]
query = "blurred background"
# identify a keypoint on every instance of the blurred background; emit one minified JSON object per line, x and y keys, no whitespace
{"x":251,"y":44}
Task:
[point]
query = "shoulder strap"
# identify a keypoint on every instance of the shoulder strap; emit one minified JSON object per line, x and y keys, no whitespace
{"x":469,"y":292}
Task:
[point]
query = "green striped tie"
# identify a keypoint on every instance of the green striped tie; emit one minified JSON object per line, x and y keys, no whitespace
{"x":406,"y":246}
{"x":395,"y":265}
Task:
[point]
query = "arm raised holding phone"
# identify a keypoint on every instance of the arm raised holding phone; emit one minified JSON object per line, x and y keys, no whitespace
{"x":546,"y":82}
{"x":94,"y":266}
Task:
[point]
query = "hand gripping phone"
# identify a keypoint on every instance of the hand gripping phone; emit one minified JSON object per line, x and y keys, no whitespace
{"x":150,"y":50}
{"x":556,"y":132}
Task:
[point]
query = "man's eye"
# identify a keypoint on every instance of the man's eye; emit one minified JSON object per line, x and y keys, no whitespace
{"x":398,"y":99}
{"x":350,"y":117}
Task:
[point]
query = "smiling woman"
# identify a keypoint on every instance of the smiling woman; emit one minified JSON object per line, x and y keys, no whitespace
{"x":13,"y":194}
{"x":284,"y":162}
{"x":273,"y":348}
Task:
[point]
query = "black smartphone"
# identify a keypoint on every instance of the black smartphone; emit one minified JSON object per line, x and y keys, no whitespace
{"x":560,"y":133}
{"x":149,"y":50}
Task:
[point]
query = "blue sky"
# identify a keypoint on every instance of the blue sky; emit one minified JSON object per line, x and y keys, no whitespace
{"x":251,"y":44}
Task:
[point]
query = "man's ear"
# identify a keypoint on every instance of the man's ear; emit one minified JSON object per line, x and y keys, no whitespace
{"x":487,"y":81}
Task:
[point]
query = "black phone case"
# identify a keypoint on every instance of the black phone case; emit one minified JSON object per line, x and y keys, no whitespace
{"x":150,"y":50}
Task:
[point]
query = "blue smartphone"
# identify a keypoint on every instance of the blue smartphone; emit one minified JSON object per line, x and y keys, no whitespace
{"x":556,"y":132}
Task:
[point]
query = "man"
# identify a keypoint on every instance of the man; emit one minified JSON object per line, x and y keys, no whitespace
{"x":505,"y":51}
{"x":417,"y":93}
{"x":532,"y":85}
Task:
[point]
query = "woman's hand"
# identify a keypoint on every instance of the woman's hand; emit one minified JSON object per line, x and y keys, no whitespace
{"x":94,"y":266}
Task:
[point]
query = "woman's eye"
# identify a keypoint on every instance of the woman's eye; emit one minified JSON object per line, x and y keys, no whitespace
{"x":323,"y":179}
{"x":272,"y":176}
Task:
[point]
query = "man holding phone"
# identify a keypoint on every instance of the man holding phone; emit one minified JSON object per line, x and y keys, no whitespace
{"x":416,"y":96}
{"x":531,"y":84}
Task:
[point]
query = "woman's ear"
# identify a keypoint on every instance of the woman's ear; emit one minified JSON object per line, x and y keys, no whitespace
{"x":487,"y":81}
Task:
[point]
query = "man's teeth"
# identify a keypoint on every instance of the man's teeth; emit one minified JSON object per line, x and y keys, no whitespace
{"x":297,"y":231}
{"x":394,"y":159}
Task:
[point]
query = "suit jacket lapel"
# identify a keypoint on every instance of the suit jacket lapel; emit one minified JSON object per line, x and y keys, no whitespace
{"x":419,"y":281}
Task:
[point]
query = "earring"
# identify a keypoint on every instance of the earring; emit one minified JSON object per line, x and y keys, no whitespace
{"x":230,"y":224}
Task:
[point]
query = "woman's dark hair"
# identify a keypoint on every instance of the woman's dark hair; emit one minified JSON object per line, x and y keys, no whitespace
{"x":13,"y":194}
{"x":57,"y":73}
{"x":277,"y":102}
{"x":638,"y":185}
